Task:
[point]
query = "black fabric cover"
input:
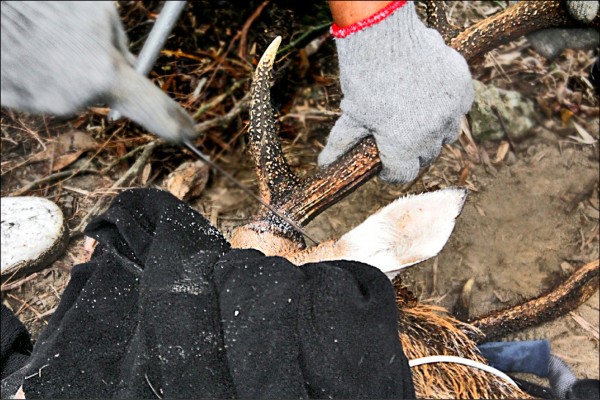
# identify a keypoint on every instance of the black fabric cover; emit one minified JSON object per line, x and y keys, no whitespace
{"x":584,"y":389}
{"x":527,"y":356}
{"x":166,"y":308}
{"x":15,"y":343}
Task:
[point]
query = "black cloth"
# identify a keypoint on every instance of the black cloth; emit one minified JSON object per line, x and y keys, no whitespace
{"x":165,"y":308}
{"x":15,"y":343}
{"x":584,"y":389}
{"x":595,"y":75}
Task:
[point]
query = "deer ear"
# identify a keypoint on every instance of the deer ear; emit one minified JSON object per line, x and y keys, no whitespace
{"x":405,"y":232}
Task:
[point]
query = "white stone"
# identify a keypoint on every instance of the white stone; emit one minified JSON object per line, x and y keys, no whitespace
{"x":33,"y":233}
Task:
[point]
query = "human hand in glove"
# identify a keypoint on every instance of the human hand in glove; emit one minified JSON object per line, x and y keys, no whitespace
{"x":402,"y":85}
{"x":59,"y":57}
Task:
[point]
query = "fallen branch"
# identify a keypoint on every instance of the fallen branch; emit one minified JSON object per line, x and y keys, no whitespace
{"x":54,"y":177}
{"x":225,"y":119}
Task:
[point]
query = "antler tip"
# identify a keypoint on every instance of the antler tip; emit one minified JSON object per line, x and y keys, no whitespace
{"x":268,"y":57}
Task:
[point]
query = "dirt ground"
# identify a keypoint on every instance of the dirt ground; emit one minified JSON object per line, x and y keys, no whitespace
{"x":531,"y":217}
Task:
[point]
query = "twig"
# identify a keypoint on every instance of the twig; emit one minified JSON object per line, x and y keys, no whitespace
{"x":10,"y":286}
{"x":506,"y":134}
{"x":25,"y":305}
{"x":54,"y":177}
{"x":305,"y":37}
{"x":218,"y":99}
{"x":82,"y":192}
{"x":49,"y":312}
{"x":244,"y":33}
{"x":225,"y":119}
{"x":134,"y":170}
{"x":120,"y":159}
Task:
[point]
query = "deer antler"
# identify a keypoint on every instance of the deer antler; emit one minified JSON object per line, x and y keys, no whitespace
{"x":563,"y":298}
{"x":300,"y":200}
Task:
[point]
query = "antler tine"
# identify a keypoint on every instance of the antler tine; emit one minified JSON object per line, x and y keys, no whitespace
{"x":275,"y":178}
{"x":565,"y":297}
{"x":276,"y":181}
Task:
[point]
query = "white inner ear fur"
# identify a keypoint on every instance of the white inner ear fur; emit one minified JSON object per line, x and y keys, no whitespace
{"x":405,"y":232}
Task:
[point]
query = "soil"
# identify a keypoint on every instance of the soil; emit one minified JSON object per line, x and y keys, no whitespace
{"x":531,"y":217}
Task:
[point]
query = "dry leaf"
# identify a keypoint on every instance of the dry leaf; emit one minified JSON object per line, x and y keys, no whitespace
{"x":68,"y":148}
{"x":66,"y":160}
{"x":586,"y":325}
{"x":145,"y":174}
{"x":565,"y":116}
{"x":508,"y":58}
{"x":467,"y":141}
{"x":584,"y":136}
{"x":502,"y":151}
{"x":188,"y":180}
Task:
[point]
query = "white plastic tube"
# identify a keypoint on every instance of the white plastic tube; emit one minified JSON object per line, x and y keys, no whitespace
{"x":463,"y":361}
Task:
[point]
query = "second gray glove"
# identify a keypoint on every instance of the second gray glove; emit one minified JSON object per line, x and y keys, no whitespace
{"x":401,"y":84}
{"x":59,"y":57}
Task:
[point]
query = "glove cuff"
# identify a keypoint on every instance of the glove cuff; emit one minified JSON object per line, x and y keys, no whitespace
{"x":374,"y":19}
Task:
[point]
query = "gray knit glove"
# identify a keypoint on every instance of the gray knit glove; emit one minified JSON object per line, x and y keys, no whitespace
{"x":59,"y":57}
{"x":402,"y":85}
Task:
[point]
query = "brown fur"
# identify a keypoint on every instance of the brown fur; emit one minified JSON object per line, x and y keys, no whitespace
{"x":427,"y":330}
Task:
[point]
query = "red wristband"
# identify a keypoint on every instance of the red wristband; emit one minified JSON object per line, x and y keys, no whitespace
{"x":376,"y":18}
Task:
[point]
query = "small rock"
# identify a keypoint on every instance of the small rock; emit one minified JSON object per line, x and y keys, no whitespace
{"x":34,"y":234}
{"x":516,"y":111}
{"x":550,"y":43}
{"x":511,"y":158}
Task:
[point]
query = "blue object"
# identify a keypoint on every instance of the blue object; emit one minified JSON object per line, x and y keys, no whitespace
{"x":530,"y":356}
